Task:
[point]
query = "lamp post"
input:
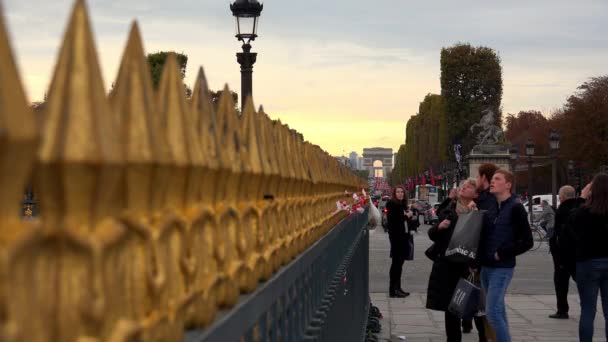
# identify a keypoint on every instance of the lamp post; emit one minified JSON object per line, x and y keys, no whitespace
{"x":513,"y":154}
{"x":530,"y":153}
{"x":554,"y":146}
{"x":571,"y":171}
{"x":246,"y":13}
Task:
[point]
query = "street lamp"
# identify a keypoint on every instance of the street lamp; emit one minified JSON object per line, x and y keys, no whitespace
{"x":513,"y":154}
{"x":530,"y":153}
{"x":246,"y":13}
{"x":554,"y":146}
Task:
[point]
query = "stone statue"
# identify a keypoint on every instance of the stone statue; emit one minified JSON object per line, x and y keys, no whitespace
{"x":491,"y":134}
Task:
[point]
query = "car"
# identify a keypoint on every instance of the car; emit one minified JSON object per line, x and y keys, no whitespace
{"x":430,"y":215}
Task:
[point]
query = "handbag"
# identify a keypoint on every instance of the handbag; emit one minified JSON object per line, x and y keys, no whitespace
{"x":432,"y":252}
{"x":465,"y":238}
{"x":465,"y":300}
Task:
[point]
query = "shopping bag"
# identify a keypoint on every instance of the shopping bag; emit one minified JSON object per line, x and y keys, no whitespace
{"x":465,"y":238}
{"x":410,"y":245}
{"x":465,"y":300}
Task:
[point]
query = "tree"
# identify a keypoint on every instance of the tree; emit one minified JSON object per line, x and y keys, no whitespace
{"x":583,"y":124}
{"x":426,"y":143}
{"x":216,"y":95}
{"x":398,"y":175}
{"x":471,"y":81}
{"x":157,"y":62}
{"x":528,"y":124}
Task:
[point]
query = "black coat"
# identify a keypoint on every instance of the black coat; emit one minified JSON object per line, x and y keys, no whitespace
{"x":398,"y":236}
{"x":561,"y":248}
{"x":444,"y":274}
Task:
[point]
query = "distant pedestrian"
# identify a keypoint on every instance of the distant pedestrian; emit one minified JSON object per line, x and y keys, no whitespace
{"x":558,"y":245}
{"x":508,"y":236}
{"x":400,"y":237}
{"x":589,"y":227}
{"x":547,"y":218}
{"x":445,"y":274}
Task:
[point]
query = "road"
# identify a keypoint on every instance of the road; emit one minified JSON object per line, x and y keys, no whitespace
{"x":533,"y":274}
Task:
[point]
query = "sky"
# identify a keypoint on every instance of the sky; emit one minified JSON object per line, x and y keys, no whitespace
{"x":346,"y":74}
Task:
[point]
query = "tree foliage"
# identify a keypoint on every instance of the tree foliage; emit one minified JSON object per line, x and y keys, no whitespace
{"x":583,"y":124}
{"x":528,"y":124}
{"x":398,"y":175}
{"x":426,"y":143}
{"x":471,"y":81}
{"x":157,"y":62}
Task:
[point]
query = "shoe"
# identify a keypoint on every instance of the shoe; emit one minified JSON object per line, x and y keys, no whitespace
{"x":396,"y":294}
{"x":405,"y":294}
{"x":560,"y":315}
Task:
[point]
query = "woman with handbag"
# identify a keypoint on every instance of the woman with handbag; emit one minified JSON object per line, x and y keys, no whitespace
{"x":400,"y":237}
{"x":445,"y":273}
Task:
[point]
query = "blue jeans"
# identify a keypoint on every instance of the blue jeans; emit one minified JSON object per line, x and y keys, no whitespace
{"x":591,"y":277}
{"x":495,"y":282}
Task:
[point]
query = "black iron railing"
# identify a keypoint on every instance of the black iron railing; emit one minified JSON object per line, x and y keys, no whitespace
{"x":322,"y":295}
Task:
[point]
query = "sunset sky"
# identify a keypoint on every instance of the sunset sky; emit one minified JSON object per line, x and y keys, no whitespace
{"x":347,"y":74}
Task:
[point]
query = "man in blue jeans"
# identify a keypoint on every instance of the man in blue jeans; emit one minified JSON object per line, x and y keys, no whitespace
{"x":504,"y":237}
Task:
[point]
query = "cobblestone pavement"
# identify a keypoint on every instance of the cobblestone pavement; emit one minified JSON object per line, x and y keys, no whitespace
{"x":529,"y":302}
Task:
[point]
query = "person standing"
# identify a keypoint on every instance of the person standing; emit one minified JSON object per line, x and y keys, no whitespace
{"x":589,"y":228}
{"x":445,"y":274}
{"x":484,"y":201}
{"x":400,"y":237}
{"x":508,"y":237}
{"x":547,"y":218}
{"x":562,"y":271}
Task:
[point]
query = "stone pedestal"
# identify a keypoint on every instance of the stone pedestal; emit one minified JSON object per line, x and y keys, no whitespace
{"x":496,"y":154}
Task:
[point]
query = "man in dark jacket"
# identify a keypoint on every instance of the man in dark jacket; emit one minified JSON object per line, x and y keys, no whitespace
{"x":558,"y":244}
{"x":508,"y":237}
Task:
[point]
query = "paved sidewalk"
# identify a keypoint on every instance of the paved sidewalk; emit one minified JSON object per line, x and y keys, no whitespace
{"x":528,"y":319}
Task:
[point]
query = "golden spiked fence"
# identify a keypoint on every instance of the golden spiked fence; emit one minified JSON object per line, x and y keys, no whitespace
{"x":156,"y":210}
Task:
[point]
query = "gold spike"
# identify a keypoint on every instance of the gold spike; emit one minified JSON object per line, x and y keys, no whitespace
{"x":18,"y":136}
{"x":133,"y":101}
{"x":79,"y":125}
{"x":207,"y":127}
{"x":228,"y":132}
{"x":206,"y":120}
{"x":250,"y":139}
{"x":175,"y":117}
{"x":80,"y":150}
{"x":178,"y":123}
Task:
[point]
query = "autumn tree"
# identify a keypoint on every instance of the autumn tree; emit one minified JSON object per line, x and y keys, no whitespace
{"x":583,"y":124}
{"x":471,"y":81}
{"x":528,"y":124}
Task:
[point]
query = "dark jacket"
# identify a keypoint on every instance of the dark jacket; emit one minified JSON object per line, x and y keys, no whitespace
{"x":509,"y":236}
{"x":397,"y":235}
{"x":444,"y":274}
{"x":558,"y":243}
{"x":590,"y":233}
